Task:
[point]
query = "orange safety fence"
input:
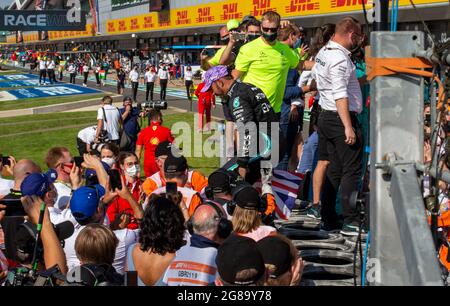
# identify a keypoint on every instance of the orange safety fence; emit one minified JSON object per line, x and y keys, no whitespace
{"x":377,"y":66}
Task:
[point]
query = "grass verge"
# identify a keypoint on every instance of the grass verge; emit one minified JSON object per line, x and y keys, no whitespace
{"x":36,"y":102}
{"x":31,"y":136}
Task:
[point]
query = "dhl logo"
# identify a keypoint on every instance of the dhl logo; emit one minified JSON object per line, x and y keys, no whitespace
{"x":230,"y":11}
{"x":134,"y":24}
{"x":182,"y":18}
{"x":297,"y":6}
{"x":148,"y":22}
{"x":122,"y":26}
{"x":204,"y":15}
{"x":341,"y":3}
{"x":111,"y":27}
{"x":260,"y":7}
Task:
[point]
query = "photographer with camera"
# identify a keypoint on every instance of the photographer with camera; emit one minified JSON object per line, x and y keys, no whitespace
{"x":149,"y":138}
{"x":53,"y":253}
{"x":95,"y":247}
{"x":85,"y":139}
{"x":125,"y":206}
{"x":14,"y":218}
{"x":6,"y":164}
{"x":130,"y":116}
{"x":109,"y":119}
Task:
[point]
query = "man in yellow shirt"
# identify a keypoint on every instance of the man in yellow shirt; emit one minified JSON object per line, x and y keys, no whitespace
{"x":265,"y":62}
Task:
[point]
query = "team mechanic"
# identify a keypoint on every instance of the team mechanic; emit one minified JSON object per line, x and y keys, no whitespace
{"x":247,"y":104}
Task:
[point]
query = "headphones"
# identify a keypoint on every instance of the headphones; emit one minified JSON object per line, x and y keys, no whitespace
{"x":224,"y":227}
{"x":242,"y":187}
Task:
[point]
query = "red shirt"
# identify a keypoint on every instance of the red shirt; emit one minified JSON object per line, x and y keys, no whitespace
{"x":119,"y":205}
{"x":149,"y":138}
{"x":205,"y":97}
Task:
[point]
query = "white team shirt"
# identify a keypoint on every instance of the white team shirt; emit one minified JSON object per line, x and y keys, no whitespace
{"x":64,"y":193}
{"x":42,"y":65}
{"x":335,"y":75}
{"x":113,"y":118}
{"x":85,"y":68}
{"x":51,"y":65}
{"x":150,"y":77}
{"x":71,"y":69}
{"x":163,"y":74}
{"x":125,"y":236}
{"x":87,"y":135}
{"x":188,"y":75}
{"x":134,"y":76}
{"x":5,"y":186}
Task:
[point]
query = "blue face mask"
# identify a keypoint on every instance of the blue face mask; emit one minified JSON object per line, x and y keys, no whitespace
{"x":298,"y":43}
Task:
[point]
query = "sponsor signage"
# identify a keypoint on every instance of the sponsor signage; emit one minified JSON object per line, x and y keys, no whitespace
{"x":50,"y":91}
{"x":13,"y":77}
{"x":220,"y":12}
{"x":20,"y":20}
{"x":22,"y":83}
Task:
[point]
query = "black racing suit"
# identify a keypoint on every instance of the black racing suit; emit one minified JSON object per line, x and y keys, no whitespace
{"x":248,"y":103}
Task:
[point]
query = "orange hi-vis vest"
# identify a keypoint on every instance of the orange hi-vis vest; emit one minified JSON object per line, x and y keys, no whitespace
{"x":195,"y":181}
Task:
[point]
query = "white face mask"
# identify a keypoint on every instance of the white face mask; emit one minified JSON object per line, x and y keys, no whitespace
{"x":109,"y":161}
{"x":133,"y":170}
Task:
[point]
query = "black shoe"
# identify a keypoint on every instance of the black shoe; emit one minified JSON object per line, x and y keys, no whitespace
{"x":331,"y":226}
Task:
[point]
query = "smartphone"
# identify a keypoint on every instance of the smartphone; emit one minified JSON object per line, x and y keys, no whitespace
{"x":14,"y":208}
{"x":5,"y":161}
{"x":114,"y":179}
{"x":238,"y":36}
{"x":171,"y":187}
{"x":208,"y":52}
{"x":78,"y":161}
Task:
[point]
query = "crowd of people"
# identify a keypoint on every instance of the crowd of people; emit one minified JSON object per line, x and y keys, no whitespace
{"x":169,"y":223}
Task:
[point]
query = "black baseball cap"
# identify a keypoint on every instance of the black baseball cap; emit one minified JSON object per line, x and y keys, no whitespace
{"x":175,"y":164}
{"x":246,"y":196}
{"x":236,"y":254}
{"x":276,"y":252}
{"x":163,"y":148}
{"x":221,"y":181}
{"x":247,"y":18}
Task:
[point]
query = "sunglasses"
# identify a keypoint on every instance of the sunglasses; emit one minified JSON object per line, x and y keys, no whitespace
{"x":273,"y":30}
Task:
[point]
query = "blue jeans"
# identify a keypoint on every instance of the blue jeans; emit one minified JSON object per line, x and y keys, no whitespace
{"x":309,"y":156}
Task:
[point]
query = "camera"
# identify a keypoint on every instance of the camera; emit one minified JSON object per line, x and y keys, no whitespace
{"x":5,"y":161}
{"x":158,"y":105}
{"x":103,"y":139}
